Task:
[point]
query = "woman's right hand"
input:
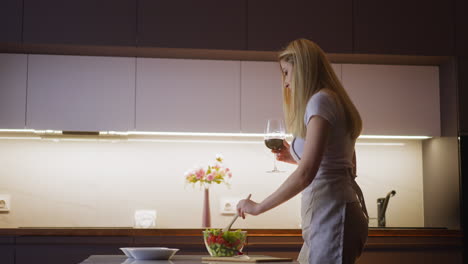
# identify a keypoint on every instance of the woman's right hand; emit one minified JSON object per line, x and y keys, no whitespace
{"x":283,"y":154}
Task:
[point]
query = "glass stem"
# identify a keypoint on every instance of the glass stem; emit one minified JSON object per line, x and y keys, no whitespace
{"x":274,"y":162}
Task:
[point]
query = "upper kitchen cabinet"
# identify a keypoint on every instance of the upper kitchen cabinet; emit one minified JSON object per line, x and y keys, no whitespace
{"x":13,"y":72}
{"x":187,"y":95}
{"x":81,"y":93}
{"x":261,"y":94}
{"x":418,"y":27}
{"x":88,"y":22}
{"x":461,"y":33}
{"x":395,"y":100}
{"x":274,"y":23}
{"x":11,"y":19}
{"x":201,"y":24}
{"x":463,"y":95}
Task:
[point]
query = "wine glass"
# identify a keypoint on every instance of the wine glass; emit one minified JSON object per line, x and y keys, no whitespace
{"x":274,"y":136}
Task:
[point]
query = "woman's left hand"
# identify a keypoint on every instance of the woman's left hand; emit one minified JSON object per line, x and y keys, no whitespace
{"x":247,"y":206}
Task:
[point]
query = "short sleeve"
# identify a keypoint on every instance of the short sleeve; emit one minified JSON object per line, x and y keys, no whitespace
{"x":321,"y":104}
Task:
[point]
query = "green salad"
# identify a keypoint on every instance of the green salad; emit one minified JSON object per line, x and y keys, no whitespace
{"x":227,"y":244}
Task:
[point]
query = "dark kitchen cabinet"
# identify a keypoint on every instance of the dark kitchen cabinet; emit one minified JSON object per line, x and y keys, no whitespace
{"x":201,"y":24}
{"x":461,"y":27}
{"x":462,"y":69}
{"x":64,"y":250}
{"x":273,"y":23}
{"x":89,"y":22}
{"x":418,"y":27}
{"x":11,"y":19}
{"x":7,"y":250}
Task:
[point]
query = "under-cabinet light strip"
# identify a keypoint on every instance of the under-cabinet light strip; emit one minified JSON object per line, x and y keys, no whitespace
{"x":392,"y":137}
{"x":255,"y":135}
{"x":378,"y":144}
{"x":21,"y":138}
{"x":17,"y":130}
{"x":199,"y":134}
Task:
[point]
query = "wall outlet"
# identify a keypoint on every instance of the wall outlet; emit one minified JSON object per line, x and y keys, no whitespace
{"x":228,"y":206}
{"x":4,"y":202}
{"x":145,"y":218}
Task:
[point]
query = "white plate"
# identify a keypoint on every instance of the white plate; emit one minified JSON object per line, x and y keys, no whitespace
{"x":150,"y":253}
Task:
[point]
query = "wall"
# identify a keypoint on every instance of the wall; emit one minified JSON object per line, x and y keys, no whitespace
{"x":441,"y":159}
{"x":441,"y":182}
{"x":100,"y":184}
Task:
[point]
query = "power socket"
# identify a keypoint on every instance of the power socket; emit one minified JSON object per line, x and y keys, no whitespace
{"x":5,"y":202}
{"x":228,"y":206}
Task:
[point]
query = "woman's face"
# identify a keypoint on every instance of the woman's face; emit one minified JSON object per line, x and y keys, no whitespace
{"x":286,"y":68}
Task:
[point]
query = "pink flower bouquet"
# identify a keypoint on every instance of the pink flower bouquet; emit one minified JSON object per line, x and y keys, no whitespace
{"x":215,"y":173}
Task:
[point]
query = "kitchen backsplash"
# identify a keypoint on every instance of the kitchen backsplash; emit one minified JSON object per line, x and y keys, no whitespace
{"x":90,"y":183}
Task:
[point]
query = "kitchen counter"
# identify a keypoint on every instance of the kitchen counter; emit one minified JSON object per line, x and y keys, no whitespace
{"x":384,"y":245}
{"x":177,"y":259}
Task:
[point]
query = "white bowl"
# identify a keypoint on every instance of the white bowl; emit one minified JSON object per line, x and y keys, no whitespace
{"x":127,"y":252}
{"x":135,"y":261}
{"x":147,"y":253}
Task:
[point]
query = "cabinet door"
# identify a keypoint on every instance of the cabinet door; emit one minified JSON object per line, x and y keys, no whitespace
{"x":418,"y":27}
{"x":273,"y":23}
{"x":261,"y":91}
{"x":7,"y":250}
{"x":13,"y":68}
{"x":204,"y":24}
{"x":81,"y":93}
{"x":103,"y":22}
{"x":188,"y":95}
{"x":11,"y":19}
{"x":261,"y":94}
{"x":461,"y":33}
{"x":395,"y":100}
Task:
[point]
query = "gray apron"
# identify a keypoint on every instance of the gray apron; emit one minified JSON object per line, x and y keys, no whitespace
{"x":323,"y":210}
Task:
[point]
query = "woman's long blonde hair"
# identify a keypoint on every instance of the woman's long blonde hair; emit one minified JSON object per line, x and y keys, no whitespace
{"x":311,"y":73}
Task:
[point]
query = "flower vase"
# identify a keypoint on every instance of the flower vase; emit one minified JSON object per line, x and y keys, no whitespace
{"x":206,"y":217}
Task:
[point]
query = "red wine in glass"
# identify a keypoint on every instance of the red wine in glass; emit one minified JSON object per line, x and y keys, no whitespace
{"x":274,"y":136}
{"x":274,"y":143}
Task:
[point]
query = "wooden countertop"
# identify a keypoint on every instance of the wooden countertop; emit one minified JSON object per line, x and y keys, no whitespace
{"x":128,"y":231}
{"x":259,"y":240}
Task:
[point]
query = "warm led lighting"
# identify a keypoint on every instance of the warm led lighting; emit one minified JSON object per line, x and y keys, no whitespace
{"x":35,"y":138}
{"x":392,"y":137}
{"x":194,"y":141}
{"x":47,"y":132}
{"x":17,"y":130}
{"x":112,"y":133}
{"x":378,"y":144}
{"x":200,"y":134}
{"x":183,"y":134}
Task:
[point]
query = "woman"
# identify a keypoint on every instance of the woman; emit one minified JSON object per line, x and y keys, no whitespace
{"x":325,"y":124}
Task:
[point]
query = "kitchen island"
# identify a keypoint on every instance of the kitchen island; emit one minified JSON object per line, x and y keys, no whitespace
{"x":64,"y":245}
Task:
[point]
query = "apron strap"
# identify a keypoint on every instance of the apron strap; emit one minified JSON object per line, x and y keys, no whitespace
{"x":360,"y":196}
